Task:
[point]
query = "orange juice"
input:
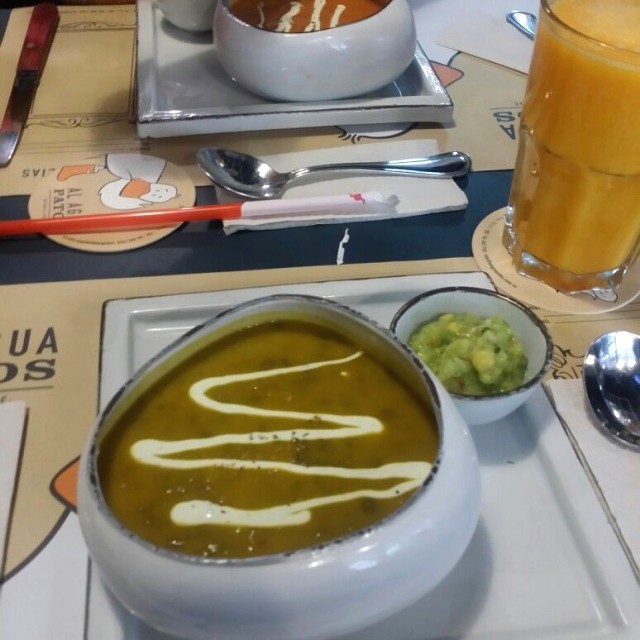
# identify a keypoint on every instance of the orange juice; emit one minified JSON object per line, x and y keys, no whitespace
{"x":573,"y":218}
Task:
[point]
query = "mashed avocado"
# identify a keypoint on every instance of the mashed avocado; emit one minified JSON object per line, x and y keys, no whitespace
{"x":470,"y":354}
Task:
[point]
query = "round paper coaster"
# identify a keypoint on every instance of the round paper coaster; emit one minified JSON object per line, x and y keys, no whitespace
{"x":111,"y":183}
{"x":495,"y":260}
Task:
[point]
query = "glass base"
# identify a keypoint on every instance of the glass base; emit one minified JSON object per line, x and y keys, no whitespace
{"x":565,"y":281}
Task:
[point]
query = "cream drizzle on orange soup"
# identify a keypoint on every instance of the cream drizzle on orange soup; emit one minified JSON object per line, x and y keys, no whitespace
{"x":198,"y":512}
{"x":300,"y":16}
{"x":272,"y":438}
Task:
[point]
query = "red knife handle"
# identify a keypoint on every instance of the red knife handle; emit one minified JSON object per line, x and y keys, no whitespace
{"x":37,"y":42}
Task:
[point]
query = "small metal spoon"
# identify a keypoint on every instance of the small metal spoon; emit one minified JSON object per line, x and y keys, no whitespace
{"x":611,"y":375}
{"x":251,"y":178}
{"x":524,"y":22}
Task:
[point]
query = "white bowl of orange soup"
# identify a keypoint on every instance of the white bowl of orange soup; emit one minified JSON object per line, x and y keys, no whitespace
{"x":314,"y":49}
{"x":288,"y":470}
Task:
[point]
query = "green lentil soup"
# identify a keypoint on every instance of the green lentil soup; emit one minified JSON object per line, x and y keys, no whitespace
{"x":276,"y":437}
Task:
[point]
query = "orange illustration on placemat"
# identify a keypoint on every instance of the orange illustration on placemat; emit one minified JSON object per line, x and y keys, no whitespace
{"x":64,"y":485}
{"x":446,"y":73}
{"x":108,"y":184}
{"x":135,"y":184}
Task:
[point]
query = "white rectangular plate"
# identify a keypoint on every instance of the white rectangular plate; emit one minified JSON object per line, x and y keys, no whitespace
{"x":544,"y":563}
{"x":183,"y":90}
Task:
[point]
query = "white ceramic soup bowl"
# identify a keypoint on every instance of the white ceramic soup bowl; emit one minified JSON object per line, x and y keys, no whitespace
{"x":340,"y":62}
{"x":316,"y":592}
{"x":534,"y":336}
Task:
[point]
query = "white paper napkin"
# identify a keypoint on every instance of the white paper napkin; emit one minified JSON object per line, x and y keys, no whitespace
{"x":614,"y":469}
{"x":416,"y":196}
{"x":490,"y":38}
{"x":12,"y":422}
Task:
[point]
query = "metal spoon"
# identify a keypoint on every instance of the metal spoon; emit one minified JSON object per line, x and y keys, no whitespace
{"x":251,"y":178}
{"x":611,"y":375}
{"x":524,"y":22}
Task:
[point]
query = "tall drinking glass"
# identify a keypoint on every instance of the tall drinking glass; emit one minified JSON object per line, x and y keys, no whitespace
{"x":573,"y":217}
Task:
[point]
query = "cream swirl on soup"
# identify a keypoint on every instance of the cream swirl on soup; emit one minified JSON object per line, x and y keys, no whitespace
{"x":196,"y":512}
{"x":277,"y":437}
{"x":303,"y":15}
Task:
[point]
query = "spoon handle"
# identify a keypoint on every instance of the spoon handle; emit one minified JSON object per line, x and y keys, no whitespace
{"x":444,"y":165}
{"x":524,"y":22}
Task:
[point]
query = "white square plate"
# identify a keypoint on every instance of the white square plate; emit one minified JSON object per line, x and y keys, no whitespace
{"x":183,"y":90}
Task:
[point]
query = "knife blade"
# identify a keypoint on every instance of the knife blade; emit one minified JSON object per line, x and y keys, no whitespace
{"x":33,"y":55}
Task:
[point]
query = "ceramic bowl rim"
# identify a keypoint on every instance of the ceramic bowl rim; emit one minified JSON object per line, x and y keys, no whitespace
{"x":300,"y":34}
{"x":490,"y":293}
{"x":92,"y":476}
